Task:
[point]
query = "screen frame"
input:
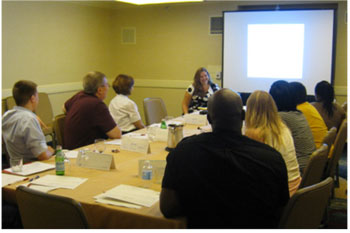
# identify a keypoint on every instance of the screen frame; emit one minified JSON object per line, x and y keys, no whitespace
{"x":287,"y":7}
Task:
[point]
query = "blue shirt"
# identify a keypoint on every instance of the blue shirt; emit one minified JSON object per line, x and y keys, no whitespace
{"x":22,"y":134}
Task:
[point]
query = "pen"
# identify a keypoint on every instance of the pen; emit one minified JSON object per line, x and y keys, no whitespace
{"x":34,"y":178}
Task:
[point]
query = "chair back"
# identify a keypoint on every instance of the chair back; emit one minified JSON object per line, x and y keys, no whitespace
{"x":10,"y":102}
{"x":3,"y":106}
{"x":44,"y":109}
{"x":154,"y":109}
{"x":330,"y":137}
{"x":46,"y":211}
{"x":58,"y":127}
{"x":337,"y":149}
{"x":345,"y":107}
{"x":313,"y":172}
{"x":306,"y":207}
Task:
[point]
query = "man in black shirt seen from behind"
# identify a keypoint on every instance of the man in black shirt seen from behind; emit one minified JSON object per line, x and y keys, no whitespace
{"x":223,"y":179}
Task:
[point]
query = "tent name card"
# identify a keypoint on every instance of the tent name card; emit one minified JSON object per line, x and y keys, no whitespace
{"x":136,"y":142}
{"x":155,"y":133}
{"x":95,"y":161}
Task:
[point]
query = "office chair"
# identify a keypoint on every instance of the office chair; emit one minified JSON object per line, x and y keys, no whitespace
{"x":154,"y":109}
{"x":58,"y":128}
{"x":313,"y":172}
{"x":336,"y":152}
{"x":41,"y":210}
{"x":306,"y":207}
{"x":330,"y":137}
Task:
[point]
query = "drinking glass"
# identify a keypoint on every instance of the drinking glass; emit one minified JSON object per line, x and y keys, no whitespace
{"x":100,"y":145}
{"x":16,"y":164}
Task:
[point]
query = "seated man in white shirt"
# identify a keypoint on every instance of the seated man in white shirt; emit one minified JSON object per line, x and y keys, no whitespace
{"x":123,"y":110}
{"x":21,"y":129}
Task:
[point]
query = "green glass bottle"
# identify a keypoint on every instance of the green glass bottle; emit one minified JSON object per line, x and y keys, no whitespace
{"x":163,"y":124}
{"x":59,"y":161}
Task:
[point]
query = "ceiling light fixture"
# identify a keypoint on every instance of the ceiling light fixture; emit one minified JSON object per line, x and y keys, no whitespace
{"x":144,"y":2}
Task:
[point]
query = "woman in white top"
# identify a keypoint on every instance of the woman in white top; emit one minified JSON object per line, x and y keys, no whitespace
{"x":198,"y":93}
{"x":123,"y":110}
{"x":264,"y":124}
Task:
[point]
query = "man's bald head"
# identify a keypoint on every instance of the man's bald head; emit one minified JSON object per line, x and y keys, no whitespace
{"x":225,"y":110}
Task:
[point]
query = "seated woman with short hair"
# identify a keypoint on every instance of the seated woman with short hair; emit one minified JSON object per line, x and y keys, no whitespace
{"x":123,"y":110}
{"x":263,"y":123}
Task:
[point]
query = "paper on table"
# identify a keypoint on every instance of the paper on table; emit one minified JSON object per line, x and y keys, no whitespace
{"x":195,"y":119}
{"x":41,"y":188}
{"x":71,"y":154}
{"x":67,"y":182}
{"x":114,"y":142}
{"x":32,"y":168}
{"x":102,"y":198}
{"x":132,"y":194}
{"x":10,"y":179}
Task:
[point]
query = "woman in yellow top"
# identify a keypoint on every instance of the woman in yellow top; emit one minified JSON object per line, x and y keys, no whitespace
{"x":317,"y":125}
{"x":264,"y":124}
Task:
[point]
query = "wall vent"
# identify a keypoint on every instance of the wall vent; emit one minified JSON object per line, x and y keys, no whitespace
{"x":128,"y":35}
{"x":216,"y":25}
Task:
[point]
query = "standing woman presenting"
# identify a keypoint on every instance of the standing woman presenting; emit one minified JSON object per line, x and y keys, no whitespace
{"x":198,"y":93}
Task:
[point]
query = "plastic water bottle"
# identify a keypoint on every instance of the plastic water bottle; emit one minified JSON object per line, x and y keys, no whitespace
{"x":147,"y":174}
{"x":59,"y":161}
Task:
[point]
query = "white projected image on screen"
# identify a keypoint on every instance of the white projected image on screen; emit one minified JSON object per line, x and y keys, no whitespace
{"x":275,"y":51}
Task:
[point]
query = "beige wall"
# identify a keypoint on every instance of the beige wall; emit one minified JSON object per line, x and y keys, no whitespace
{"x":55,"y":44}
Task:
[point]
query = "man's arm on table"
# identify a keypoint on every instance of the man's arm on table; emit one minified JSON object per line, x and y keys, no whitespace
{"x":114,"y":133}
{"x":46,"y":154}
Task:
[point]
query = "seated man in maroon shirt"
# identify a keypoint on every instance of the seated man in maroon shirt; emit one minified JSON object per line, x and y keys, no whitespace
{"x":88,"y":117}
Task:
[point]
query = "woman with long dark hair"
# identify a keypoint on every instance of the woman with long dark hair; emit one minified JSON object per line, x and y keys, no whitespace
{"x":198,"y":93}
{"x":331,"y":112}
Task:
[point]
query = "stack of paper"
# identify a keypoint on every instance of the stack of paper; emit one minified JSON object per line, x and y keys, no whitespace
{"x":66,"y":182}
{"x":40,"y":188}
{"x":32,"y":168}
{"x":11,"y":179}
{"x":129,"y":196}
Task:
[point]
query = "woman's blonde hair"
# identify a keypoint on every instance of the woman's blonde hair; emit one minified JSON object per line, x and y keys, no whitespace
{"x":262,"y":116}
